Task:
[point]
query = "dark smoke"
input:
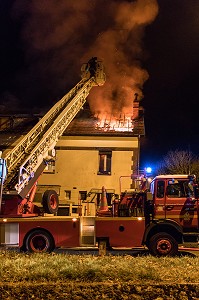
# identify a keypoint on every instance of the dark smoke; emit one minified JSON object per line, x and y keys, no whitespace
{"x":58,"y":36}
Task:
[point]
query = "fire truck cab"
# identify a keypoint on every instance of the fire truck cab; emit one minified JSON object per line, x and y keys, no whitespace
{"x":175,"y":208}
{"x":174,"y":214}
{"x":170,"y":210}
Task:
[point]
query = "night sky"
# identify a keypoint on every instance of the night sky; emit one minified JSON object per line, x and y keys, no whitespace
{"x":43,"y":45}
{"x":171,"y":93}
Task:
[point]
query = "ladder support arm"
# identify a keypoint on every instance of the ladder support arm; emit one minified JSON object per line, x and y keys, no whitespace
{"x":32,"y":151}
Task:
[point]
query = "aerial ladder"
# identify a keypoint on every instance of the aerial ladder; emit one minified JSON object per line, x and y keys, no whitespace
{"x":27,"y":160}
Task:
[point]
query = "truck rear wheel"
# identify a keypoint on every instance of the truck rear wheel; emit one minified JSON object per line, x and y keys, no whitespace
{"x":50,"y":202}
{"x":163,"y":244}
{"x":39,"y":241}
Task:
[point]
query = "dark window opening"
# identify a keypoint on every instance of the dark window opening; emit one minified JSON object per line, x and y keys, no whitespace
{"x":179,"y":189}
{"x":160,"y":189}
{"x":82,"y":195}
{"x":105,"y":162}
{"x":67,"y":194}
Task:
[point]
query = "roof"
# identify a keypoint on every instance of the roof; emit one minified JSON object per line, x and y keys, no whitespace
{"x":85,"y":123}
{"x":12,"y":127}
{"x":172,"y":176}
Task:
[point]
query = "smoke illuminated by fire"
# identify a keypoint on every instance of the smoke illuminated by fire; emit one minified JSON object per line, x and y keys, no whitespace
{"x":60,"y":35}
{"x":120,"y":47}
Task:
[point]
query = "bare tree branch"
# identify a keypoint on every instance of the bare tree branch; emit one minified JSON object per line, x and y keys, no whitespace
{"x":179,"y":162}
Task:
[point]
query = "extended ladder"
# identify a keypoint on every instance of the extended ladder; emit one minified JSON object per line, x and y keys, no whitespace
{"x":27,"y":160}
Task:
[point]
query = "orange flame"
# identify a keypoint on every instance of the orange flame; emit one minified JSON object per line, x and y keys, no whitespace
{"x":123,"y":123}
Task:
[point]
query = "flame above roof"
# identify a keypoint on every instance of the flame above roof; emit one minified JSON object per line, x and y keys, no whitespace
{"x":87,"y":124}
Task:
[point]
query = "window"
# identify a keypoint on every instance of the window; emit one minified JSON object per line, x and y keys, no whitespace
{"x":173,"y":190}
{"x":152,"y":187}
{"x":160,"y":189}
{"x":82,"y":195}
{"x":105,"y":163}
{"x":178,"y":189}
{"x":67,"y":194}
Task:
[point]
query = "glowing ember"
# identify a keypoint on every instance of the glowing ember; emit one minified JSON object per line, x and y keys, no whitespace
{"x":122,"y":124}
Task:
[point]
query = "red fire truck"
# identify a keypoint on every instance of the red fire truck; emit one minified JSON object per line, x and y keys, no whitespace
{"x":160,"y":217}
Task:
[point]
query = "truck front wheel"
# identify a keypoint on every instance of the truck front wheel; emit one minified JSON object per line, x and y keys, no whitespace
{"x":39,"y":241}
{"x":163,"y":244}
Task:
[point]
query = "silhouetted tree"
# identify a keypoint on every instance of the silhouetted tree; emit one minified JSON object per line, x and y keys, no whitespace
{"x":179,"y":162}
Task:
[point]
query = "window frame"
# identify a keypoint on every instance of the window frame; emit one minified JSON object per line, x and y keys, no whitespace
{"x":67,"y":192}
{"x":82,"y":195}
{"x":160,"y":183}
{"x":104,"y":162}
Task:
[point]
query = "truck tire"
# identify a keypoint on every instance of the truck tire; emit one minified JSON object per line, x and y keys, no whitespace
{"x":163,"y":244}
{"x":39,"y":241}
{"x":50,"y":202}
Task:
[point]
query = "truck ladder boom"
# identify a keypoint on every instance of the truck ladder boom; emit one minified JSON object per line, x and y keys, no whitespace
{"x":37,"y":146}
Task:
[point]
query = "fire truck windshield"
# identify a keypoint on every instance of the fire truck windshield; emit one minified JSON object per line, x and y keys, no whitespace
{"x":180,"y":188}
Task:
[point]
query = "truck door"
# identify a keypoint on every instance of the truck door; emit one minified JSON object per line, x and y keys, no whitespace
{"x":158,"y":190}
{"x":179,"y":205}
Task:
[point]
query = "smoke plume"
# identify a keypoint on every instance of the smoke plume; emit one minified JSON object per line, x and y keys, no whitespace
{"x":58,"y":36}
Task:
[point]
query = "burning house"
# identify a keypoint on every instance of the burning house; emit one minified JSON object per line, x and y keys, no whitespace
{"x":95,"y":152}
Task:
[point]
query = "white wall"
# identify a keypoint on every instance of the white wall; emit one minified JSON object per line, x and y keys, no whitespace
{"x":76,"y":167}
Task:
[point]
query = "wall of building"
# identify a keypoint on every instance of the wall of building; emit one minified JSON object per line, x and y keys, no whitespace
{"x":77,"y":165}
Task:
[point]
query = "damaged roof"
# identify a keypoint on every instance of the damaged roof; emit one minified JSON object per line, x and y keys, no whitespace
{"x":12,"y":127}
{"x":85,"y":123}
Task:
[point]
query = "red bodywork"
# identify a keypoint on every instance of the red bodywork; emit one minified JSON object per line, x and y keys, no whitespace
{"x":64,"y":230}
{"x":177,"y":205}
{"x":121,"y":232}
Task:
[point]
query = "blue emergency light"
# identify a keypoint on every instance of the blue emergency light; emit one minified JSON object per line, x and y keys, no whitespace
{"x":148,"y":170}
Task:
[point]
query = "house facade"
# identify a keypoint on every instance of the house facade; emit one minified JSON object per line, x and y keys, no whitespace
{"x":89,"y":157}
